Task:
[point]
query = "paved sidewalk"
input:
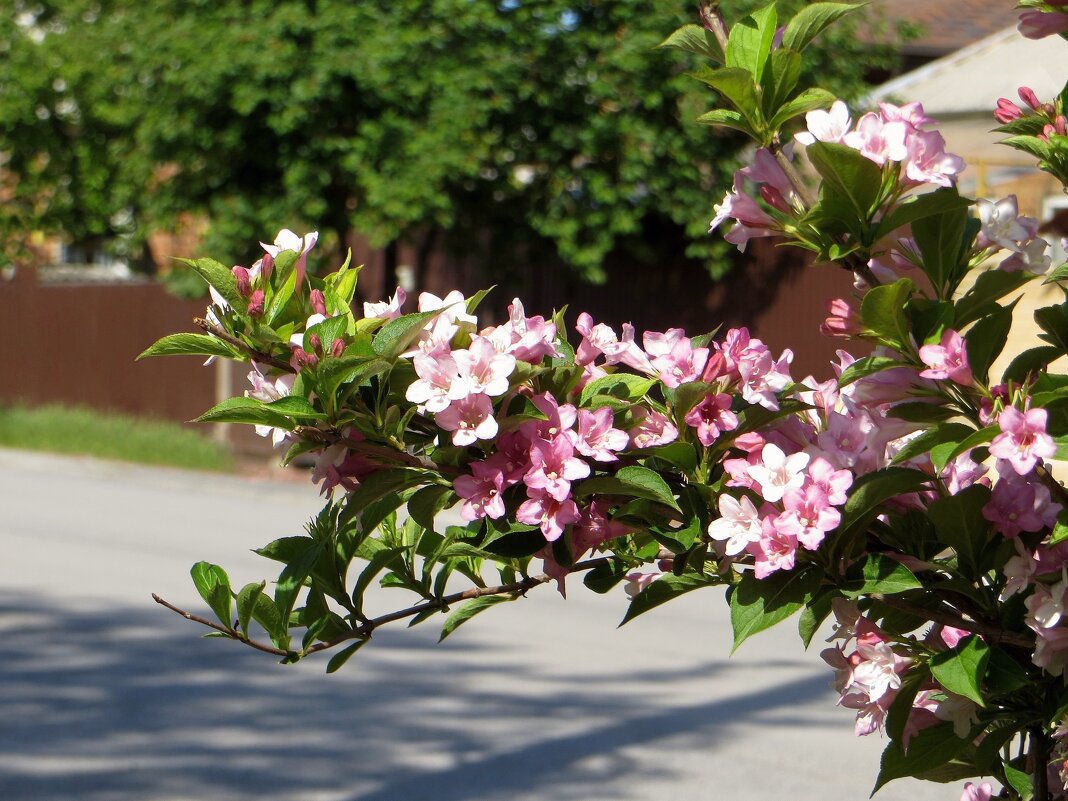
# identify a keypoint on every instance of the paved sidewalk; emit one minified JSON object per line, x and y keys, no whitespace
{"x":108,"y":697}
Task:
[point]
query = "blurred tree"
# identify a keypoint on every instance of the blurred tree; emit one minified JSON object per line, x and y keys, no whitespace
{"x":551,"y":126}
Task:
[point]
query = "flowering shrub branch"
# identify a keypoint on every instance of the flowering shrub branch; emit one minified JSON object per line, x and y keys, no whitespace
{"x":907,"y":498}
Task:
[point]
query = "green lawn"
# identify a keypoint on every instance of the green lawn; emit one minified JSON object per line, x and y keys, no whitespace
{"x":89,"y":432}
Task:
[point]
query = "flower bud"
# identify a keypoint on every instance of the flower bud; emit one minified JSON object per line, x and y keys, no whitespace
{"x":1028,"y":96}
{"x":1060,"y":125}
{"x":714,"y":368}
{"x":316,"y":344}
{"x":843,"y":320}
{"x":773,"y":197}
{"x":1007,"y":111}
{"x":255,"y":304}
{"x":318,"y":301}
{"x":267,"y":266}
{"x":337,"y":348}
{"x":301,"y":359}
{"x":241,"y":278}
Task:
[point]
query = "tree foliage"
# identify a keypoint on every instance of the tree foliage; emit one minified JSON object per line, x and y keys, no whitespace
{"x":554,"y":126}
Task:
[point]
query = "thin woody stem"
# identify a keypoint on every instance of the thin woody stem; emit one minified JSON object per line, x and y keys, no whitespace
{"x":948,"y":617}
{"x":252,"y":353}
{"x":366,"y":629}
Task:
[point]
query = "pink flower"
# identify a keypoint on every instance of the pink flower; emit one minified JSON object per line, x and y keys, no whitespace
{"x":1023,"y":441}
{"x":553,"y":467}
{"x":549,"y":514}
{"x":776,"y":472}
{"x":775,"y":549}
{"x":653,"y":430}
{"x":638,"y":581}
{"x":751,"y":221}
{"x":482,"y":369}
{"x":1018,"y":504}
{"x":878,"y":140}
{"x":595,"y":436}
{"x":437,"y":384}
{"x":673,"y":357}
{"x":928,"y":161}
{"x":973,"y":793}
{"x":738,"y":524}
{"x":711,"y":417}
{"x":948,"y":360}
{"x":558,"y":418}
{"x":843,"y":320}
{"x":808,"y":516}
{"x":530,"y":339}
{"x":595,"y":528}
{"x":1007,"y":111}
{"x":1001,"y":222}
{"x":385,"y":310}
{"x":469,"y":419}
{"x":834,"y":483}
{"x":481,"y":492}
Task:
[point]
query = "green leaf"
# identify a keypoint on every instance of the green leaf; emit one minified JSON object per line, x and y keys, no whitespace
{"x":1004,"y":675}
{"x":989,"y":287}
{"x":213,"y":585}
{"x":780,"y":78}
{"x":808,"y":100}
{"x":872,"y":490}
{"x":735,"y":85}
{"x":398,"y":335}
{"x":929,"y":749}
{"x":750,"y":40}
{"x":920,"y":412}
{"x":918,"y":207}
{"x":292,"y":578}
{"x":624,"y":386}
{"x":883,"y":312}
{"x":1032,"y":145}
{"x":1054,"y":321}
{"x":380,"y":484}
{"x":219,"y":277}
{"x":281,"y":296}
{"x":428,"y":502}
{"x":812,"y":20}
{"x":680,"y":454}
{"x":665,"y":589}
{"x":758,"y":604}
{"x":1030,"y":362}
{"x":941,"y":456}
{"x":855,"y":177}
{"x":879,"y":575}
{"x":635,"y":481}
{"x":958,"y":520}
{"x":1019,"y":781}
{"x":695,"y":39}
{"x":295,"y":406}
{"x":961,"y":670}
{"x":726,"y":118}
{"x":476,"y":299}
{"x":813,"y":615}
{"x":245,"y":410}
{"x":946,"y":432}
{"x":943,"y":241}
{"x":869,"y":365}
{"x":604,"y":578}
{"x":342,"y":656}
{"x":1057,"y":274}
{"x":469,"y":609}
{"x":190,"y":345}
{"x":986,"y":339}
{"x":246,"y":602}
{"x":267,"y":615}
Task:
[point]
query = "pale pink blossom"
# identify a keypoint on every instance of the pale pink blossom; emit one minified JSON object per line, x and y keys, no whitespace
{"x":289,"y":241}
{"x":1040,"y":24}
{"x":808,"y":515}
{"x":553,"y":467}
{"x":481,"y":492}
{"x":928,"y":162}
{"x":878,"y":140}
{"x":826,"y":126}
{"x":469,"y":419}
{"x":638,"y":581}
{"x":973,"y":792}
{"x":482,"y":369}
{"x":1001,"y":222}
{"x":673,"y":356}
{"x":1023,"y":440}
{"x":776,"y":472}
{"x":738,"y":524}
{"x":549,"y":514}
{"x":653,"y":429}
{"x":948,"y":360}
{"x":596,"y":437}
{"x":776,"y":548}
{"x":438,"y":384}
{"x":834,"y":483}
{"x":530,"y":339}
{"x":386,"y":310}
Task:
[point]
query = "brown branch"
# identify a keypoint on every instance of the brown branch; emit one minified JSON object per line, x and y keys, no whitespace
{"x":992,"y":634}
{"x":254,"y":354}
{"x":1037,"y":760}
{"x":230,"y":632}
{"x":364,"y":631}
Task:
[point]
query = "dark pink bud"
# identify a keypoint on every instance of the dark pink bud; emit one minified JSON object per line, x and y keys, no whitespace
{"x":666,"y":565}
{"x":337,"y":348}
{"x":241,"y":277}
{"x":1028,"y":96}
{"x":1060,"y":125}
{"x":255,"y":304}
{"x":1007,"y":111}
{"x":714,"y":368}
{"x":843,"y":320}
{"x":773,"y":197}
{"x":318,"y":301}
{"x":301,"y":358}
{"x":316,"y":343}
{"x":1047,"y":132}
{"x":266,"y":266}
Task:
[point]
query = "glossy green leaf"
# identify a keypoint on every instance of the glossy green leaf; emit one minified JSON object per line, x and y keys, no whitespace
{"x":812,"y":20}
{"x":758,"y":604}
{"x":855,"y":177}
{"x":961,"y":669}
{"x":883,"y":312}
{"x":878,"y":575}
{"x":469,"y":609}
{"x":400,"y":334}
{"x":695,"y":39}
{"x":960,"y":524}
{"x":190,"y":345}
{"x":664,"y":589}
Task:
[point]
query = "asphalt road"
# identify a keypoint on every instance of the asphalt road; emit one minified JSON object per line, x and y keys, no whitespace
{"x":105,"y":696}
